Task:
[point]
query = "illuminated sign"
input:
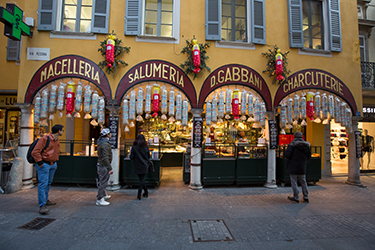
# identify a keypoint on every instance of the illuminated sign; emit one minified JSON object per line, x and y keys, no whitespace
{"x":14,"y":26}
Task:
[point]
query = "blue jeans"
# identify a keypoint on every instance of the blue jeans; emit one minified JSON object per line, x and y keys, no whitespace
{"x":302,"y":180}
{"x":45,"y":178}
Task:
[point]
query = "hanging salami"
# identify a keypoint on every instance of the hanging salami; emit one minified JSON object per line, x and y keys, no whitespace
{"x":61,"y":98}
{"x":214,"y":109}
{"x":243,"y":105}
{"x":164,"y":103}
{"x":331,"y":107}
{"x":178,"y":106}
{"x":139,"y":105}
{"x":262,"y":120}
{"x":296,"y":109}
{"x":95,"y":105}
{"x":132,"y":105}
{"x":250,"y":107}
{"x":236,"y":104}
{"x":155,"y":100}
{"x":221,"y":106}
{"x":303,"y":109}
{"x":290,"y":111}
{"x":78,"y":103}
{"x":257,"y":110}
{"x":208,"y":113}
{"x":37,"y":108}
{"x":148,"y":101}
{"x":171,"y":104}
{"x":52,"y":101}
{"x":87,"y":102}
{"x":185,"y":110}
{"x":125,"y":111}
{"x":324,"y":108}
{"x":337,"y":110}
{"x":101,"y":110}
{"x":228,"y":103}
{"x":310,"y":105}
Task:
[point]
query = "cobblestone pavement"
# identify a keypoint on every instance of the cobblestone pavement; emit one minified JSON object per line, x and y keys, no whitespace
{"x":339,"y":216}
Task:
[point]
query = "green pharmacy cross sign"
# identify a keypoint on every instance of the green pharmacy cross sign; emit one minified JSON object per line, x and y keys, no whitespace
{"x":14,"y":26}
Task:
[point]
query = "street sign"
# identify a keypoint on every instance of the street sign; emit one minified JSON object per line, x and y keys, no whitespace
{"x":113,"y":127}
{"x":274,"y":135}
{"x":197,"y":132}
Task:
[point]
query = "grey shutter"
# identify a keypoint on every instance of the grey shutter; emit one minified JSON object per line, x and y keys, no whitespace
{"x":133,"y":14}
{"x":258,"y":22}
{"x":334,"y":25}
{"x":47,"y":15}
{"x":100,"y":16}
{"x":13,"y":50}
{"x":295,"y":23}
{"x":213,"y":20}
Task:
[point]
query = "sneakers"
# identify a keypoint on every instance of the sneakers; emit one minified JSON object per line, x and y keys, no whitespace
{"x":293,"y":199}
{"x":102,"y":202}
{"x":50,"y":203}
{"x":43,"y":210}
{"x":107,"y":197}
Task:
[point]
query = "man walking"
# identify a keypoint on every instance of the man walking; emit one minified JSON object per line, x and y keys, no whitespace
{"x":104,"y":167}
{"x":297,"y":153}
{"x":46,"y":166}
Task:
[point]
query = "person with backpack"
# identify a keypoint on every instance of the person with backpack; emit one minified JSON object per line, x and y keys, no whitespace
{"x":46,"y":164}
{"x":104,"y":168}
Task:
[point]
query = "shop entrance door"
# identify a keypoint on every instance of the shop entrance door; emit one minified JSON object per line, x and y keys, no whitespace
{"x":339,"y":149}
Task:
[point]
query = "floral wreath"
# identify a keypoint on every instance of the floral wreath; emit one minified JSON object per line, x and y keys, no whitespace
{"x":118,"y":50}
{"x":271,"y":65}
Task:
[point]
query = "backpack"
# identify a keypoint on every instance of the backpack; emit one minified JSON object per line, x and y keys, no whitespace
{"x":30,"y":159}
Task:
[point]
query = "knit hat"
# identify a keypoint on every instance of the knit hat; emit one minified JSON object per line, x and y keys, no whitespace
{"x":105,"y":132}
{"x":298,"y":135}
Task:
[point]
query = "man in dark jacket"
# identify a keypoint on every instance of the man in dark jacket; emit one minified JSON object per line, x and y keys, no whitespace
{"x":104,"y":167}
{"x":297,"y":153}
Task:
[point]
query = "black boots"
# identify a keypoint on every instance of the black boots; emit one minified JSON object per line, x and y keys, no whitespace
{"x":145,"y":194}
{"x":139,"y":194}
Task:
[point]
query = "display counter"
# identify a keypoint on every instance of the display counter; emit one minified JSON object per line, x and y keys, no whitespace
{"x":172,"y":155}
{"x":127,"y":175}
{"x":218,"y":164}
{"x":251,"y":164}
{"x":77,"y":162}
{"x":313,"y":167}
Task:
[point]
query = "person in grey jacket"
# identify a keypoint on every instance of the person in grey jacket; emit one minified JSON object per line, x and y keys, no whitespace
{"x":103,"y":166}
{"x":140,"y":154}
{"x":297,"y":153}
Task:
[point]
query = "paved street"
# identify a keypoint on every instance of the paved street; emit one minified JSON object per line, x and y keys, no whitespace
{"x":339,"y":216}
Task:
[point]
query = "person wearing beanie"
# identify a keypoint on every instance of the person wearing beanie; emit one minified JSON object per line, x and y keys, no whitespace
{"x":297,"y":153}
{"x":103,"y":166}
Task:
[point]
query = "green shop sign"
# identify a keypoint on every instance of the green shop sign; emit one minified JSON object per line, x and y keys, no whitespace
{"x":12,"y":17}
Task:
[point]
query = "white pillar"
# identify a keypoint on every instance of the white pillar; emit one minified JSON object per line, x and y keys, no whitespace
{"x":196,"y":159}
{"x":113,"y":183}
{"x":271,"y":154}
{"x":353,"y":161}
{"x":26,"y":138}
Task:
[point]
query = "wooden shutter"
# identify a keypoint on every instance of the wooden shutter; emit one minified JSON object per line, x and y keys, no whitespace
{"x":295,"y":23}
{"x":258,"y":22}
{"x":133,"y":16}
{"x":100,"y":16}
{"x":47,"y":15}
{"x":13,"y":50}
{"x":213,"y":20}
{"x":334,"y":25}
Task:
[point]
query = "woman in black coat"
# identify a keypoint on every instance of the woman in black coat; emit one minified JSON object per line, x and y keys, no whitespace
{"x":140,"y":154}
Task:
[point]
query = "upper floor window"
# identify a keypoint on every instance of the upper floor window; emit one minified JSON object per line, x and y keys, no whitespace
{"x":233,"y":20}
{"x":362,"y":48}
{"x":76,"y":15}
{"x":152,"y":18}
{"x":312,"y":25}
{"x":315,"y":24}
{"x":236,"y":21}
{"x":80,"y":16}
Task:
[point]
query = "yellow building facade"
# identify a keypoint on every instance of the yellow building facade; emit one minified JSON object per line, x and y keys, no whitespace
{"x":320,"y":36}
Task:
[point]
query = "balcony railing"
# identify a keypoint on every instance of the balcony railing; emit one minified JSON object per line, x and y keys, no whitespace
{"x":368,"y":75}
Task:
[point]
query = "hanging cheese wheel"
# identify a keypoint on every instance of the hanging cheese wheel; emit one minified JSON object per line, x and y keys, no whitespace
{"x":214,"y":109}
{"x":208,"y":113}
{"x":125,"y":111}
{"x":132,"y":105}
{"x":37,"y":108}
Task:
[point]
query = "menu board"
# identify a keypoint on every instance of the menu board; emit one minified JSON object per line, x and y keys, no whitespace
{"x":358,"y":144}
{"x":197,"y":132}
{"x":113,"y":127}
{"x":274,"y":136}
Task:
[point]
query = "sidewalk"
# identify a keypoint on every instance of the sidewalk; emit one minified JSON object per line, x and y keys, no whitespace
{"x":339,"y":216}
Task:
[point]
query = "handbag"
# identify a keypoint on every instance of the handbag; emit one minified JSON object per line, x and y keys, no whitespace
{"x":151,"y":168}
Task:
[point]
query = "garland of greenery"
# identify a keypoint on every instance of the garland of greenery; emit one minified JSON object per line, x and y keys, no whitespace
{"x":271,"y":65}
{"x":118,"y":51}
{"x":188,"y":66}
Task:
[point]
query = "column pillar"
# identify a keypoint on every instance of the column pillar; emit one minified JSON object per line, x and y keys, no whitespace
{"x":271,"y":154}
{"x":113,"y":183}
{"x":353,"y":162}
{"x":26,"y":138}
{"x":196,"y":159}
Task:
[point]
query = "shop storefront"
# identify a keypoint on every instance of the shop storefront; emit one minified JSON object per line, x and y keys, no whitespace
{"x":155,"y":98}
{"x":9,"y":120}
{"x":235,"y":100}
{"x":321,"y":106}
{"x":367,"y":129}
{"x":73,"y":91}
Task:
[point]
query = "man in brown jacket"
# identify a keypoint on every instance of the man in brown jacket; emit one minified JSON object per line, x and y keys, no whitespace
{"x":46,"y":165}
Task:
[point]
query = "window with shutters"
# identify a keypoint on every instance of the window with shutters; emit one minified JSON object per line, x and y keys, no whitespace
{"x":13,"y":50}
{"x":236,"y":23}
{"x":233,"y":20}
{"x":362,"y":48}
{"x":74,"y":16}
{"x":312,"y":24}
{"x":158,"y":19}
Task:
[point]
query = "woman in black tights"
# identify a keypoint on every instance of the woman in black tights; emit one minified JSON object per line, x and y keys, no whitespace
{"x":140,"y":154}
